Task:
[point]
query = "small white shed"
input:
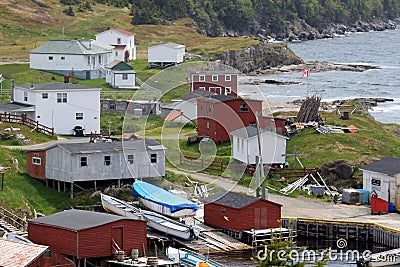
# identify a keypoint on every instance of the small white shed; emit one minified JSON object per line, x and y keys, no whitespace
{"x":166,"y":54}
{"x":120,"y":75}
{"x":245,"y":146}
{"x":383,"y":178}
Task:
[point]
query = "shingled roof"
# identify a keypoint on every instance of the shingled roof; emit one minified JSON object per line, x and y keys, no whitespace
{"x":232,"y":199}
{"x":70,"y":47}
{"x":77,"y":220}
{"x":14,"y":253}
{"x":55,"y":86}
{"x":389,"y":166}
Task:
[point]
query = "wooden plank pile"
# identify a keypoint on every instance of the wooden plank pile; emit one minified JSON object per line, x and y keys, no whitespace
{"x":295,"y":185}
{"x":309,"y":109}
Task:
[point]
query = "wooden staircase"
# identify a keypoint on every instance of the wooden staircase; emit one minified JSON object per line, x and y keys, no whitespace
{"x":12,"y":223}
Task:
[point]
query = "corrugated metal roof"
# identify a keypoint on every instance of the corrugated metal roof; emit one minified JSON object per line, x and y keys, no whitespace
{"x":232,"y":199}
{"x":102,"y":147}
{"x":389,"y":166}
{"x":251,"y":131}
{"x":72,"y":47}
{"x":14,"y":106}
{"x":78,"y":220}
{"x":16,"y":254}
{"x":54,"y":86}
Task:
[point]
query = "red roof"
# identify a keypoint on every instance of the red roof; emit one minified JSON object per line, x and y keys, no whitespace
{"x":14,"y":253}
{"x":174,"y":114}
{"x":124,"y":32}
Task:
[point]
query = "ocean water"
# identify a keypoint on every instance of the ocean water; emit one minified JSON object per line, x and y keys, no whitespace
{"x":372,"y":48}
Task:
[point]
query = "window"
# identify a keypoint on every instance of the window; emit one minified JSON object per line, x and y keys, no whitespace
{"x":130,"y":159}
{"x":202,"y":88}
{"x":84,"y":161}
{"x":112,"y":106}
{"x":45,"y":95}
{"x":202,"y":78}
{"x":116,"y":53}
{"x":242,"y":145}
{"x":228,"y":90}
{"x":244,"y":108}
{"x":79,"y":116}
{"x":36,"y":161}
{"x":25,"y":96}
{"x":107,"y":160}
{"x":238,"y":143}
{"x":99,"y":59}
{"x":153,"y":158}
{"x":88,"y":60}
{"x":50,"y":57}
{"x":61,"y":97}
{"x":208,"y":124}
{"x":118,"y":40}
{"x":62,"y":58}
{"x":124,"y":76}
{"x":215,"y":78}
{"x":47,"y":254}
{"x":223,"y":210}
{"x":228,"y":78}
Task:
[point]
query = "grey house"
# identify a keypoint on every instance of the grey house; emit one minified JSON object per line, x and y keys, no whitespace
{"x":92,"y":162}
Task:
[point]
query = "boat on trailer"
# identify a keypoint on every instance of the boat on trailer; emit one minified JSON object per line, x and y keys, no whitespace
{"x":162,"y":201}
{"x":189,"y":259}
{"x":154,"y":220}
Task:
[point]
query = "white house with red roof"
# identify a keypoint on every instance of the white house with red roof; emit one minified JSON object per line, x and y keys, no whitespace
{"x":123,"y":42}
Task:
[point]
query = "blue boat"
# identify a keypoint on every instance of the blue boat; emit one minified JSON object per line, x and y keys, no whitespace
{"x":162,"y":201}
{"x":189,"y":259}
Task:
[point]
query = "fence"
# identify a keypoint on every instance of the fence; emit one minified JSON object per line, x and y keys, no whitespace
{"x":13,"y":220}
{"x":23,"y":120}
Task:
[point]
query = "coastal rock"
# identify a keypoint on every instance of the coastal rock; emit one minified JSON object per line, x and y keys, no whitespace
{"x":259,"y":57}
{"x":339,"y":174}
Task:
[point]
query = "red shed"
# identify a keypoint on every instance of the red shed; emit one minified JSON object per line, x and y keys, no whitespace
{"x":239,"y":212}
{"x":85,"y":234}
{"x":13,"y":254}
{"x":36,"y":163}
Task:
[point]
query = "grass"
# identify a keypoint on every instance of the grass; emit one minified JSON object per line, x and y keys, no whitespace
{"x":36,"y":138}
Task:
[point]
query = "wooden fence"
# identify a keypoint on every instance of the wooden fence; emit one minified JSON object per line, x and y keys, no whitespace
{"x":23,"y":120}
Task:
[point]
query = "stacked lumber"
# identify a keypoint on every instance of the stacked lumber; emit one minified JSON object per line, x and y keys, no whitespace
{"x":309,"y":109}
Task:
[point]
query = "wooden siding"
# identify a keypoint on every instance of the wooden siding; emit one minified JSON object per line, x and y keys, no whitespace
{"x":34,"y":170}
{"x":258,"y":215}
{"x":93,"y":242}
{"x":56,"y":259}
{"x":208,"y":84}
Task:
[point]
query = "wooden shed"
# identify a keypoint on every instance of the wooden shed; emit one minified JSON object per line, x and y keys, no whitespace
{"x":84,"y":234}
{"x":239,"y":212}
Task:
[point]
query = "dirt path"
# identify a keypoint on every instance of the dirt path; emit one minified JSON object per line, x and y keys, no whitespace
{"x":302,"y":207}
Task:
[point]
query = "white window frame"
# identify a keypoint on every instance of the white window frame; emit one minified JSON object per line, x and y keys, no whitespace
{"x":45,"y":95}
{"x":62,"y":98}
{"x":107,"y":162}
{"x":228,"y":78}
{"x":124,"y":76}
{"x":214,"y":78}
{"x":36,"y":161}
{"x":153,"y":158}
{"x":63,"y":58}
{"x":202,"y":88}
{"x":202,"y":78}
{"x":88,"y":60}
{"x":228,"y":90}
{"x":118,"y":40}
{"x":79,"y":116}
{"x":25,"y":96}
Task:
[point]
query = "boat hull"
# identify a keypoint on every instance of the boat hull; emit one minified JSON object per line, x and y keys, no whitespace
{"x":166,"y":211}
{"x":188,"y":258}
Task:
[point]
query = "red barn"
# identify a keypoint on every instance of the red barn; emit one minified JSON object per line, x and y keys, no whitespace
{"x":239,"y":212}
{"x":218,"y":115}
{"x":13,"y":254}
{"x":84,"y":234}
{"x":36,"y":163}
{"x":218,"y":82}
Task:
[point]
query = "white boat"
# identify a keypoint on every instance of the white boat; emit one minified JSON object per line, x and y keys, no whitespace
{"x":162,"y":201}
{"x":385,"y":258}
{"x":154,"y":220}
{"x":17,"y":238}
{"x":188,"y":258}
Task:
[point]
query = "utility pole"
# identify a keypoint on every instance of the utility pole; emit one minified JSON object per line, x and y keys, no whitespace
{"x":261,"y":178}
{"x":295,"y":155}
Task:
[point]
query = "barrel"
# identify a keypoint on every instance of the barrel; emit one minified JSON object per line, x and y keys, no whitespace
{"x":391,"y":207}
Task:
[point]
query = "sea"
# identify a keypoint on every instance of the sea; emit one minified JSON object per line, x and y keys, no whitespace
{"x":372,"y":48}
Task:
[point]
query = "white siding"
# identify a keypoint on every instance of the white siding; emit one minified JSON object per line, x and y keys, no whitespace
{"x":389,"y":186}
{"x":189,"y":109}
{"x":117,"y":80}
{"x":165,"y":54}
{"x":110,"y":37}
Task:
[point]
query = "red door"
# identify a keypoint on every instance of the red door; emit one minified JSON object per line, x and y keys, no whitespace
{"x":117,"y":235}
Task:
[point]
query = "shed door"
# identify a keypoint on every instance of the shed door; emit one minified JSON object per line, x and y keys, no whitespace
{"x":117,"y":236}
{"x":260,"y":218}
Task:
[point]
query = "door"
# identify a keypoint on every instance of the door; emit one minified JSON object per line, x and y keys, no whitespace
{"x":87,"y":75}
{"x":260,"y":218}
{"x":117,"y":235}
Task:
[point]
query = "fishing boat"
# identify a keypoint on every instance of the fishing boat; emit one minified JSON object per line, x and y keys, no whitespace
{"x":162,"y":201}
{"x":189,"y":259}
{"x":154,"y":220}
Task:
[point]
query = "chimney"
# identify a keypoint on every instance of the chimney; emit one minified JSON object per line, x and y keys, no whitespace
{"x":12,"y":90}
{"x":108,"y":28}
{"x":32,"y":86}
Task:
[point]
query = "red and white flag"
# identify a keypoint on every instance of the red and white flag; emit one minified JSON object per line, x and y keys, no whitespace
{"x":306,"y":73}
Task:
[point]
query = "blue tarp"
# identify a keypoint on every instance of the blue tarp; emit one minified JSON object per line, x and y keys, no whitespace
{"x":161,"y":196}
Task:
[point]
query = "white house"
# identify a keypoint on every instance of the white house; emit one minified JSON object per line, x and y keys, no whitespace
{"x":85,"y":57}
{"x":188,"y":106}
{"x":123,"y":42}
{"x":165,"y":54}
{"x":120,"y":75}
{"x":61,"y":106}
{"x":383,"y":178}
{"x":245,"y":146}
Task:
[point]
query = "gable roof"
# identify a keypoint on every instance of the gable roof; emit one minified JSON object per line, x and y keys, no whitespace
{"x":174,"y":114}
{"x":233,"y":200}
{"x":72,"y":47}
{"x":13,"y":253}
{"x":124,"y":32}
{"x":108,"y":147}
{"x":389,"y":166}
{"x":55,"y":86}
{"x":251,"y":131}
{"x":197,"y":94}
{"x":119,"y":65}
{"x":169,"y":45}
{"x":77,"y":220}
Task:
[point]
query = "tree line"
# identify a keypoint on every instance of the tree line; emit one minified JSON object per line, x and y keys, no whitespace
{"x":248,"y":16}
